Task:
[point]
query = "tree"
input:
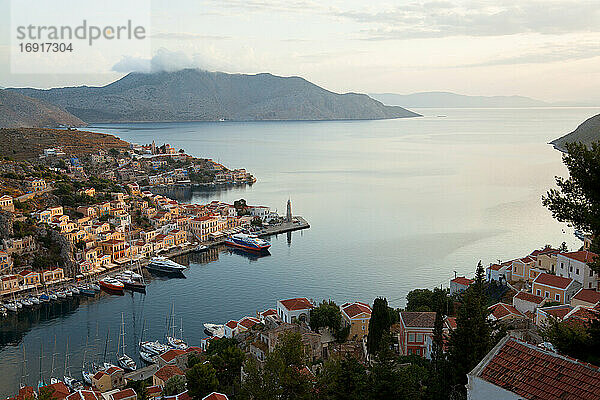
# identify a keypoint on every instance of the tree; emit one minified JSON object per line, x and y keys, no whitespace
{"x":344,"y":379}
{"x":471,"y":340}
{"x":174,"y":385}
{"x":201,"y":380}
{"x":430,"y":300}
{"x":379,"y":324}
{"x":576,"y":339}
{"x":328,"y":315}
{"x":46,"y":393}
{"x":228,"y":364}
{"x":577,"y":199}
{"x":439,"y":377}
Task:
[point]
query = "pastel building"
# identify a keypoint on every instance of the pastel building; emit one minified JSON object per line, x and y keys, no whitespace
{"x":356,"y":315}
{"x":555,"y":288}
{"x":414,"y":330}
{"x":575,"y":265}
{"x":292,"y":310}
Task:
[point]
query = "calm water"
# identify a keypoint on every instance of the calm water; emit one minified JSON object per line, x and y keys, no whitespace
{"x":393,"y":205}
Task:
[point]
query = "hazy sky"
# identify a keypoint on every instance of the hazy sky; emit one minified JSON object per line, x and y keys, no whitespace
{"x":546,"y":49}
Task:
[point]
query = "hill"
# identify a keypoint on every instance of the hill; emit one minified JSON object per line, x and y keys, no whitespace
{"x":196,"y":95}
{"x":29,"y":143}
{"x":453,"y":100}
{"x":17,"y":110}
{"x":586,"y":133}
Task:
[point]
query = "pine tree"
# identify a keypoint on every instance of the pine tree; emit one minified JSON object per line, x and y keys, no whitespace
{"x":439,"y":376}
{"x":379,"y":323}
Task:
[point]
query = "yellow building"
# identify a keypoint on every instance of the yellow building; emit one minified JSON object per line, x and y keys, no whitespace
{"x":555,"y":288}
{"x":6,"y":203}
{"x":357,"y":316}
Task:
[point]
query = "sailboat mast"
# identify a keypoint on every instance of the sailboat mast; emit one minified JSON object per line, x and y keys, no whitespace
{"x":66,"y":368}
{"x":106,"y":343}
{"x":53,"y":357}
{"x":40,"y":381}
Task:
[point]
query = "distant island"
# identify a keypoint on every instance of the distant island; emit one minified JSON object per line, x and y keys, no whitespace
{"x":454,"y":100}
{"x":586,"y":133}
{"x":19,"y":111}
{"x":197,"y":95}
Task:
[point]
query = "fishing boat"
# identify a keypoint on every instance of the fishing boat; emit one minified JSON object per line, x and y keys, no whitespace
{"x":111,"y":285}
{"x":61,"y":294}
{"x":11,"y":307}
{"x":248,"y":242}
{"x":214,"y":330}
{"x":34,"y":300}
{"x":75,"y":290}
{"x":163,"y":265}
{"x":123,"y":359}
{"x":44,"y":298}
{"x":52,"y":296}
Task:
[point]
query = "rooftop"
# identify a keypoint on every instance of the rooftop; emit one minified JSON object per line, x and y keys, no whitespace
{"x":356,"y":308}
{"x":530,"y":297}
{"x":299,"y":303}
{"x":502,"y":310}
{"x":587,"y":295}
{"x":461,"y":280}
{"x":553,"y":280}
{"x":167,"y":372}
{"x":582,"y":256}
{"x":418,"y":319}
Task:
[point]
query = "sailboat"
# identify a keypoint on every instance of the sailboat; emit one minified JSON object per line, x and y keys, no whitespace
{"x":124,"y":360}
{"x":53,"y":379}
{"x":71,"y":382}
{"x":172,"y":340}
{"x":86,"y":375}
{"x":24,"y":374}
{"x":41,"y":382}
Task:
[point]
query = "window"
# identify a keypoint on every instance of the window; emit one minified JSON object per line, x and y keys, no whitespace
{"x":411,"y":337}
{"x":538,"y":292}
{"x":571,"y":268}
{"x":562,"y":265}
{"x":547,"y":294}
{"x":590,"y":285}
{"x":591,"y":272}
{"x":557,"y":297}
{"x":419,"y":337}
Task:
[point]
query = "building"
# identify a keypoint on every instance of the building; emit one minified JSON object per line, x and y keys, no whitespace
{"x":125,"y":394}
{"x":292,"y":310}
{"x":161,"y":376}
{"x":5,"y":262}
{"x":356,"y":315}
{"x":30,"y":278}
{"x":527,"y":302}
{"x":504,"y":312}
{"x":215,"y":396}
{"x":575,"y":265}
{"x":414,"y":328}
{"x":546,"y":259}
{"x":555,"y":288}
{"x":6,"y":203}
{"x":586,"y":298}
{"x":521,"y":269}
{"x":9,"y":283}
{"x":108,"y":379}
{"x":59,"y":390}
{"x":84,"y":395}
{"x":542,"y":314}
{"x":231,"y":328}
{"x":499,"y":272}
{"x":460,"y":284}
{"x":515,"y":370}
{"x":36,"y":184}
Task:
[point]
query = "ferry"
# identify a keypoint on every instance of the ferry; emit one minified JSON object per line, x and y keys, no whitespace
{"x":111,"y":284}
{"x":165,"y":266}
{"x":247,"y":242}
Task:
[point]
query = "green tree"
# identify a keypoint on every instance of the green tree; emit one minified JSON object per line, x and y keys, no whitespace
{"x":174,"y":385}
{"x":439,"y":375}
{"x":430,"y":300}
{"x":46,"y":393}
{"x":228,"y":364}
{"x":379,"y":324}
{"x":471,"y":340}
{"x":328,"y":315}
{"x":577,"y":199}
{"x":201,"y":380}
{"x":344,"y":379}
{"x":578,"y":340}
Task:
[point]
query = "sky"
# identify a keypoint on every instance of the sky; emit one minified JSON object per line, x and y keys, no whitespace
{"x":545,"y":49}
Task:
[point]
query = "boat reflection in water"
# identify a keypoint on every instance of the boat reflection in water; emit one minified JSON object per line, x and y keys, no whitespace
{"x":251,"y":255}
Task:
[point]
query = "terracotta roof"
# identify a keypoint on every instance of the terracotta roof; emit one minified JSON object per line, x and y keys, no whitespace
{"x":232,"y":324}
{"x":534,"y":373}
{"x":461,"y":280}
{"x":583,"y":256}
{"x":587,"y":295}
{"x":171,"y":354}
{"x":268,"y":312}
{"x":502,"y":310}
{"x":495,"y":267}
{"x":61,"y":391}
{"x":124,"y":394}
{"x":248,"y":322}
{"x":167,"y":372}
{"x":26,"y":392}
{"x":98,"y":375}
{"x":547,"y":250}
{"x":450,"y":322}
{"x":154,"y":390}
{"x":526,"y":260}
{"x":356,"y":308}
{"x":418,"y":319}
{"x":300,"y":303}
{"x":113,"y":369}
{"x":215,"y":396}
{"x":583,"y":314}
{"x":553,"y":280}
{"x":557,"y":311}
{"x":530,"y":297}
{"x":180,"y":396}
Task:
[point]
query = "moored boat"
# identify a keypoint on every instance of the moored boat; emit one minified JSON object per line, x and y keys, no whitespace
{"x":44,"y":298}
{"x":165,"y":266}
{"x":131,"y":284}
{"x":52,"y":296}
{"x":248,"y":242}
{"x":26,"y":302}
{"x":11,"y":307}
{"x":127,"y":363}
{"x":214,"y":330}
{"x":154,"y":348}
{"x":61,"y":294}
{"x":34,"y":300}
{"x":147,"y":357}
{"x":111,"y":284}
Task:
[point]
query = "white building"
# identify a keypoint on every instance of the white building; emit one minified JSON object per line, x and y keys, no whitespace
{"x":527,"y":302}
{"x":263,"y":212}
{"x":292,"y":310}
{"x":574,"y":265}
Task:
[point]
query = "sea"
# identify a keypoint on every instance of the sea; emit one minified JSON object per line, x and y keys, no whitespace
{"x":393,"y":205}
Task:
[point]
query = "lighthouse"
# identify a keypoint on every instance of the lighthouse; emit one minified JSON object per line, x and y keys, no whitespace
{"x":288,"y":215}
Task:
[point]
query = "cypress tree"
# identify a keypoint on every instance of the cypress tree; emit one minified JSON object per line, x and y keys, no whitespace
{"x":379,"y":324}
{"x":439,"y":376}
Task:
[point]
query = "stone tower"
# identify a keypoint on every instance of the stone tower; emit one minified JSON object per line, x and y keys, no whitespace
{"x":288,"y":215}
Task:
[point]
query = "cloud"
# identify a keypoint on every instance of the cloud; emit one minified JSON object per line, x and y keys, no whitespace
{"x":186,"y":36}
{"x":163,"y":60}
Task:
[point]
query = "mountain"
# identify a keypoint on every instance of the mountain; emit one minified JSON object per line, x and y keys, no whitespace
{"x":196,"y":95}
{"x":586,"y":133}
{"x":453,"y":100}
{"x":18,"y":111}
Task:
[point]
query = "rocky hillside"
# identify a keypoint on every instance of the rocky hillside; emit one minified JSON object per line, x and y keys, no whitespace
{"x":196,"y":95}
{"x":19,"y":111}
{"x":586,"y":133}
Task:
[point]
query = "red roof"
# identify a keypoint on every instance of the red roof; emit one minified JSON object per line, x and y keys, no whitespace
{"x":167,"y":372}
{"x":583,"y":256}
{"x":124,"y":394}
{"x":84,"y":395}
{"x":557,"y":311}
{"x":461,"y":280}
{"x":356,"y":308}
{"x":99,"y":375}
{"x":248,"y":322}
{"x":553,"y":280}
{"x":154,"y":390}
{"x":547,"y":250}
{"x":300,"y":303}
{"x":232,"y":324}
{"x":418,"y":319}
{"x":268,"y":312}
{"x":534,"y":373}
{"x":532,"y":298}
{"x":113,"y":369}
{"x":495,"y":267}
{"x":215,"y":396}
{"x":502,"y":310}
{"x":451,"y":322}
{"x":170,"y":355}
{"x":587,"y":295}
{"x":60,"y":390}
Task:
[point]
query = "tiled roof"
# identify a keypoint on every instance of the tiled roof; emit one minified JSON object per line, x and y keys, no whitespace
{"x":123,"y":394}
{"x":583,"y":314}
{"x":587,"y":295}
{"x":537,"y":374}
{"x":461,"y":280}
{"x":583,"y":256}
{"x":300,"y":303}
{"x":167,"y":372}
{"x":547,"y":250}
{"x":418,"y":319}
{"x":215,"y":396}
{"x":557,"y":311}
{"x":501,"y":311}
{"x":99,"y":375}
{"x":171,"y":354}
{"x":530,"y":297}
{"x":154,"y":390}
{"x":61,"y":391}
{"x":268,"y":312}
{"x":356,"y":308}
{"x":232,"y":324}
{"x":495,"y":267}
{"x":83,"y":395}
{"x":248,"y":322}
{"x":450,"y":322}
{"x":553,"y":280}
{"x":113,"y":369}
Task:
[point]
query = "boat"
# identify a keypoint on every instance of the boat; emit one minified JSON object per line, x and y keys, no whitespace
{"x":26,"y":302}
{"x":18,"y":304}
{"x":176,"y":343}
{"x":155,"y":348}
{"x":201,"y":247}
{"x":130,"y":284}
{"x":52,"y":296}
{"x":248,"y":242}
{"x":147,"y":357}
{"x":75,"y":290}
{"x":11,"y":307}
{"x":85,"y":290}
{"x":111,"y":284}
{"x":123,"y":359}
{"x":44,"y":298}
{"x":34,"y":300}
{"x":61,"y":295}
{"x":172,"y":341}
{"x":95,"y":287}
{"x":73,"y":384}
{"x":132,"y":275}
{"x":69,"y":292}
{"x":214,"y":330}
{"x":165,"y":266}
{"x":87,"y":377}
